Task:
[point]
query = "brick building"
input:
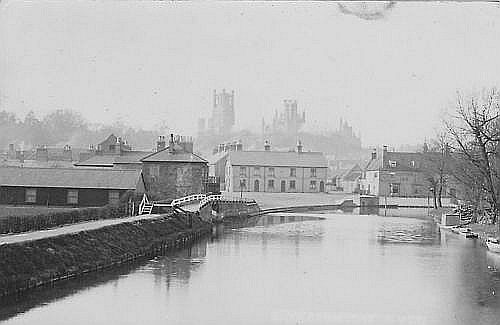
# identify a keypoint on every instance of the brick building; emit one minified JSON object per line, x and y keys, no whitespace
{"x":174,"y":171}
{"x":401,"y":174}
{"x":275,"y":171}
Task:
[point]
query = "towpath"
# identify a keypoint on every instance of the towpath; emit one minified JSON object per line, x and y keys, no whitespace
{"x":69,"y":229}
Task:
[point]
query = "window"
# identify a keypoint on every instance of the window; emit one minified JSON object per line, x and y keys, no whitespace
{"x":72,"y":197}
{"x":412,"y":164}
{"x":313,"y":172}
{"x":393,"y":163}
{"x":312,"y":185}
{"x":394,"y":188}
{"x":243,"y":171}
{"x":293,"y":172}
{"x":154,"y":171}
{"x":256,"y":171}
{"x":375,"y":175}
{"x":243,"y":183}
{"x":31,"y":195}
{"x":292,"y":185}
{"x":114,"y":197}
{"x":270,"y":183}
{"x":271,"y":171}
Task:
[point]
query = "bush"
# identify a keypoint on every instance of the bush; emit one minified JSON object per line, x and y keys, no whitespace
{"x":18,"y":224}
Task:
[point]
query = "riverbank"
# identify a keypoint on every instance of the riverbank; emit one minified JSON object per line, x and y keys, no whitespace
{"x":31,"y":264}
{"x":483,"y":230}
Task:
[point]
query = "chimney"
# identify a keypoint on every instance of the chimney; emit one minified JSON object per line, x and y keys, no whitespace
{"x":160,"y":144}
{"x":171,"y":144}
{"x":299,"y":146}
{"x":384,"y":149}
{"x":267,"y":146}
{"x":374,"y":154}
{"x":67,"y":153}
{"x":239,"y":146}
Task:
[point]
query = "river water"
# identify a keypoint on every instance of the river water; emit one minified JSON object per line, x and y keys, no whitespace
{"x":340,"y":269}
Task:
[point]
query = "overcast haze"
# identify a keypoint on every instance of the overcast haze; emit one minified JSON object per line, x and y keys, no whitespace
{"x":150,"y":61}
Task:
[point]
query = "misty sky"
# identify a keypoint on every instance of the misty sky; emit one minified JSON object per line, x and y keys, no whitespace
{"x":143,"y":62}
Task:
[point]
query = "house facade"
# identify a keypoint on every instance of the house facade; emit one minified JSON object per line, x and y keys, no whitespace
{"x":175,"y":171}
{"x":401,"y":174}
{"x":275,"y":171}
{"x":350,"y":182}
{"x":66,"y":186}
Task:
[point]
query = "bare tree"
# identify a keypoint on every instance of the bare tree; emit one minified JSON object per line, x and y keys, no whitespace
{"x":474,"y":131}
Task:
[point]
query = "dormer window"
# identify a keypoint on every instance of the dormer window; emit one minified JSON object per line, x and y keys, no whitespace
{"x":392,"y":163}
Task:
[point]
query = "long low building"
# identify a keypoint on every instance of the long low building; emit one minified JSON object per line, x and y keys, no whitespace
{"x":67,"y":186}
{"x":275,"y":171}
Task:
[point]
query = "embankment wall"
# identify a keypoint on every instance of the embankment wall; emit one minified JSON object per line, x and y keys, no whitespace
{"x":31,"y":264}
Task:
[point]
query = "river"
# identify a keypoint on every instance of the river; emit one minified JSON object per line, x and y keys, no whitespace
{"x":337,"y":269}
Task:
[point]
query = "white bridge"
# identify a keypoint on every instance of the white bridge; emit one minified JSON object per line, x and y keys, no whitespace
{"x":191,"y":203}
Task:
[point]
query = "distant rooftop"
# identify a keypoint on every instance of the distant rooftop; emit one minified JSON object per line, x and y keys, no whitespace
{"x":278,"y":158}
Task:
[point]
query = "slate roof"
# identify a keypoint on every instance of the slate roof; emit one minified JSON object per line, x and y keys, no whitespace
{"x":179,"y":155}
{"x":403,"y":161}
{"x":278,"y":158}
{"x":353,"y":174}
{"x":127,"y":157}
{"x":69,"y":177}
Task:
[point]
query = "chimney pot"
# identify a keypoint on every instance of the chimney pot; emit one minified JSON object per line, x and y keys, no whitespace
{"x":299,"y":146}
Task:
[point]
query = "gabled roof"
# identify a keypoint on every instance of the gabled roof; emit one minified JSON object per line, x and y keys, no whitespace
{"x":353,"y":174}
{"x":179,"y":155}
{"x":278,"y":158}
{"x":127,"y":157}
{"x":69,"y":177}
{"x":374,"y":164}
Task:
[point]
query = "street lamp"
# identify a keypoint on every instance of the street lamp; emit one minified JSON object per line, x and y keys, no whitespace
{"x":241,"y":188}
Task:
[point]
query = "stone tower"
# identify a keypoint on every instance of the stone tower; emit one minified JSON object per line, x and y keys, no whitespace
{"x":222,"y":119}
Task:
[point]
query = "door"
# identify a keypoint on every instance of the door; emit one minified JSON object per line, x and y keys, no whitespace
{"x":321,"y":186}
{"x":256,"y":185}
{"x":283,"y":186}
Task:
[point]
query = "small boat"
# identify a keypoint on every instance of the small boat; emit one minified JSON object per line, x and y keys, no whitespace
{"x":493,"y":244}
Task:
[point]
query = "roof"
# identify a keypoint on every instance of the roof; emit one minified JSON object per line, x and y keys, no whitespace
{"x":278,"y":158}
{"x":69,"y":177}
{"x":127,"y":157}
{"x":353,"y":174}
{"x":179,"y":155}
{"x":405,"y":161}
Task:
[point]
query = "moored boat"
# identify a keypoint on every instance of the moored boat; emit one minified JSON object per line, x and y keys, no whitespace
{"x":493,"y":244}
{"x":467,"y":233}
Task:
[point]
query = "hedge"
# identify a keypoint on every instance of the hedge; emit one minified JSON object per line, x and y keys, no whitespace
{"x":18,"y":224}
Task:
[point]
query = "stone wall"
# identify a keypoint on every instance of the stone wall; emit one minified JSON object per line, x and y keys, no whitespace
{"x":170,"y":180}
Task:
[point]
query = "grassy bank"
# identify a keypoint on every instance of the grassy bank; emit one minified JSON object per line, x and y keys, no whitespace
{"x":30,"y":264}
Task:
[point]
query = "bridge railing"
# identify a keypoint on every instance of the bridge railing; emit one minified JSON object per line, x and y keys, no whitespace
{"x":221,"y":197}
{"x":187,"y":199}
{"x":144,"y":201}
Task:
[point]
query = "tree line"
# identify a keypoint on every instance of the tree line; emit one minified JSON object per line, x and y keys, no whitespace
{"x":61,"y":127}
{"x":465,"y":154}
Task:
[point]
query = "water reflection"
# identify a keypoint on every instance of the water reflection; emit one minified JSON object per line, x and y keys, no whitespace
{"x":407,"y":231}
{"x":340,"y":269}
